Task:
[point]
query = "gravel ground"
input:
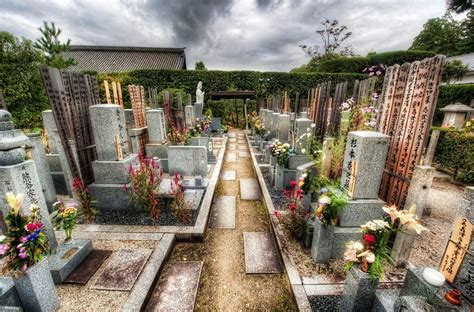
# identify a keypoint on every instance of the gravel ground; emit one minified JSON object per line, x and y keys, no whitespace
{"x":324,"y":303}
{"x":167,"y":217}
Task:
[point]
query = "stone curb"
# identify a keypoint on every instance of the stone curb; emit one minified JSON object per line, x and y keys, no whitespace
{"x":296,"y":284}
{"x":149,"y":276}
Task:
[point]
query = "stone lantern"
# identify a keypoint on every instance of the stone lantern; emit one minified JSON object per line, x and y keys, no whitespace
{"x":455,"y":115}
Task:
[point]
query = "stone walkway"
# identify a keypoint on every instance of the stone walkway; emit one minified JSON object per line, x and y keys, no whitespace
{"x":224,"y":284}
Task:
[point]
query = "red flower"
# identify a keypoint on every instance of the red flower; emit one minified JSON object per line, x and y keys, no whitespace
{"x":369,"y":239}
{"x":293,"y":183}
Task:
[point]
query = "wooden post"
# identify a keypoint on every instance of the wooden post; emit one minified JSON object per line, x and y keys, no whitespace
{"x":107,"y":92}
{"x":245,"y":112}
{"x":115,"y":93}
{"x":119,"y":89}
{"x":430,"y":151}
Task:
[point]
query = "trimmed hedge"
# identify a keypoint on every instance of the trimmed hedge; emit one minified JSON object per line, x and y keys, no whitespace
{"x":398,"y":57}
{"x":455,"y":153}
{"x":344,"y":65}
{"x":450,"y":94}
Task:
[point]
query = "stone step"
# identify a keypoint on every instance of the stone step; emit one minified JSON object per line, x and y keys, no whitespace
{"x":223,"y":213}
{"x":88,"y":267}
{"x":261,"y":255}
{"x":177,"y":287}
{"x":244,"y":154}
{"x":385,"y":300}
{"x":228,"y":175}
{"x":250,"y":189}
{"x":231,"y":157}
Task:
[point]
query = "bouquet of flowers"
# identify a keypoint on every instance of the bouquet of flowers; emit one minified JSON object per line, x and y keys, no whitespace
{"x":373,"y":250}
{"x":83,"y":194}
{"x":26,"y":242}
{"x":65,"y":218}
{"x":179,"y":205}
{"x":292,"y":213}
{"x":281,"y":151}
{"x":375,"y":70}
{"x":200,"y":125}
{"x":309,"y":183}
{"x":329,"y":207}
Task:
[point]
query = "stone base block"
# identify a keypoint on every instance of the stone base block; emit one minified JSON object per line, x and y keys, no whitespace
{"x":59,"y":183}
{"x":322,"y":244}
{"x":359,"y":291}
{"x":360,"y":211}
{"x":384,"y":300}
{"x":156,"y":150}
{"x":297,"y":160}
{"x":340,"y":239}
{"x":308,"y":234}
{"x":283,"y":176}
{"x":111,"y":196}
{"x":67,"y":257}
{"x":412,"y":304}
{"x":54,"y":162}
{"x":113,"y":172}
{"x":8,"y":294}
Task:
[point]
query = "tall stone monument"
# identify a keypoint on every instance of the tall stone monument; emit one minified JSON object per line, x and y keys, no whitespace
{"x":302,"y":125}
{"x":18,"y":175}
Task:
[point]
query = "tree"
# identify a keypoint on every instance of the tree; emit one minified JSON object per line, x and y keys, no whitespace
{"x":466,"y":45}
{"x":52,"y":46}
{"x":200,"y":66}
{"x":459,"y":6}
{"x":332,"y":35}
{"x":453,"y":71}
{"x":20,"y":80}
{"x":440,"y":35}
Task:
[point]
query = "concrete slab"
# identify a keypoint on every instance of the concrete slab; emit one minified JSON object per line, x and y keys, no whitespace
{"x":250,"y":189}
{"x":232,"y":147}
{"x":223,"y":213}
{"x":243,"y":147}
{"x":228,"y":175}
{"x":177,"y":287}
{"x":88,"y":267}
{"x":122,"y":270}
{"x":232,"y":135}
{"x":261,"y":256}
{"x":231,"y":157}
{"x":244,"y":154}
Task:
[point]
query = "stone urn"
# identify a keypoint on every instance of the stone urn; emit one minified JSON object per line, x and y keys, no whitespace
{"x":36,"y":290}
{"x":359,"y":291}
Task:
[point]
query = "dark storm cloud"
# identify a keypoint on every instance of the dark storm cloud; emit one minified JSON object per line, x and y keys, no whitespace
{"x":225,"y":34}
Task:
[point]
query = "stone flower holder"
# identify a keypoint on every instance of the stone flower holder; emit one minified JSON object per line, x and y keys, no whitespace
{"x":321,"y":246}
{"x":359,"y":291}
{"x":36,"y":289}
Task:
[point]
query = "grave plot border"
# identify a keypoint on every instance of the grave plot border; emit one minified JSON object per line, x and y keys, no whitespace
{"x":182,"y":233}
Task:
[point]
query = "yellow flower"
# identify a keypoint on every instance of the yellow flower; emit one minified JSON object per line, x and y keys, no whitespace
{"x":392,"y":211}
{"x":368,"y":255}
{"x":15,"y":202}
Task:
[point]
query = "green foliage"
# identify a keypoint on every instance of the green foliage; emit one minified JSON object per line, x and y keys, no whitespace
{"x":330,"y":206}
{"x":440,"y":35}
{"x":459,"y":6}
{"x":174,"y":94}
{"x":455,"y":153}
{"x":52,"y":46}
{"x":467,"y":28}
{"x":20,"y":80}
{"x":399,"y":57}
{"x":200,"y":66}
{"x":450,"y":94}
{"x":344,"y":65}
{"x":454,"y":70}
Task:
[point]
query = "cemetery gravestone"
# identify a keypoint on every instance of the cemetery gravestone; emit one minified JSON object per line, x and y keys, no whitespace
{"x":187,"y":160}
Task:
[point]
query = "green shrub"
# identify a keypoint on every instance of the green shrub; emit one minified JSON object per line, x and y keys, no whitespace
{"x":398,"y":57}
{"x":174,"y":93}
{"x":344,"y":65}
{"x":450,"y":94}
{"x":455,"y":153}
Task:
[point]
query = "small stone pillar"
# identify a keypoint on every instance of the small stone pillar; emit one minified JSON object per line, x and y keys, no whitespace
{"x":420,"y":186}
{"x":198,"y":108}
{"x":274,"y":130}
{"x":302,"y":126}
{"x":430,"y":151}
{"x":455,"y":115}
{"x":156,"y":125}
{"x":359,"y":291}
{"x":189,"y":116}
{"x":327,"y":154}
{"x":20,"y":176}
{"x":42,"y":168}
{"x":283,"y":127}
{"x":467,"y":211}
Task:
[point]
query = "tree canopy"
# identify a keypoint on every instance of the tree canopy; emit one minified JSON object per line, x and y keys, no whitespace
{"x":52,"y":47}
{"x":200,"y":66}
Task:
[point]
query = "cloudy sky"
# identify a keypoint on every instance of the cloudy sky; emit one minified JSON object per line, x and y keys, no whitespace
{"x":225,"y":34}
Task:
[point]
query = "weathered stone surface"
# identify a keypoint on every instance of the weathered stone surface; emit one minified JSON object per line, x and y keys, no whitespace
{"x":216,"y":124}
{"x":321,"y":247}
{"x":228,"y":175}
{"x":51,"y":131}
{"x":294,"y":161}
{"x":359,"y":291}
{"x":36,"y":289}
{"x":135,"y":138}
{"x":187,"y":160}
{"x":111,"y":196}
{"x":157,"y":150}
{"x":420,"y":185}
{"x":108,"y":120}
{"x":341,"y":237}
{"x":358,"y":212}
{"x":243,"y":147}
{"x":283,"y":177}
{"x":369,"y":150}
{"x":198,"y":107}
{"x":177,"y":287}
{"x":67,"y":257}
{"x":244,"y":154}
{"x":261,"y":255}
{"x":207,"y":143}
{"x":54,"y":163}
{"x":189,"y":115}
{"x":156,"y":124}
{"x":283,"y":128}
{"x":231,"y":157}
{"x":232,"y":147}
{"x":12,"y":156}
{"x":250,"y":189}
{"x":113,"y":172}
{"x":223,"y":212}
{"x":12,"y":138}
{"x":384,"y":300}
{"x":8,"y":294}
{"x":122,"y":270}
{"x":88,"y":267}
{"x":6,"y":125}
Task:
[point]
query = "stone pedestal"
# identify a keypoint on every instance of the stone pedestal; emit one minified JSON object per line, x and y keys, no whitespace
{"x":135,"y":135}
{"x":156,"y":124}
{"x":268,"y":120}
{"x":358,"y":293}
{"x":283,"y":127}
{"x":198,"y":108}
{"x":321,"y":247}
{"x":114,"y":172}
{"x":67,"y":257}
{"x":42,"y":168}
{"x":274,"y":130}
{"x":216,"y":124}
{"x":189,"y":116}
{"x":283,"y":177}
{"x":301,"y":127}
{"x":8,"y":293}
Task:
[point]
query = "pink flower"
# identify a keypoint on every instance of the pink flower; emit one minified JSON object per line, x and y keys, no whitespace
{"x":3,"y":249}
{"x":24,"y":239}
{"x":24,"y":267}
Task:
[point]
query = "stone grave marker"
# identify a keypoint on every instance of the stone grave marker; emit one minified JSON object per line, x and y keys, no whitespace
{"x":207,"y":143}
{"x":156,"y":125}
{"x":187,"y":160}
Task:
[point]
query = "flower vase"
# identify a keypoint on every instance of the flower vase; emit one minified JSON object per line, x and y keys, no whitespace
{"x":68,"y":238}
{"x":36,"y":290}
{"x":359,"y":291}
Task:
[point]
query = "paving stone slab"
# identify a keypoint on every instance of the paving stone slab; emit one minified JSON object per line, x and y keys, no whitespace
{"x":250,"y":189}
{"x":122,"y":270}
{"x":223,"y":213}
{"x":232,"y":135}
{"x":243,"y":147}
{"x":244,"y":154}
{"x":177,"y":287}
{"x":88,"y":267}
{"x":261,"y":256}
{"x":232,"y":147}
{"x":228,"y":175}
{"x":231,"y":157}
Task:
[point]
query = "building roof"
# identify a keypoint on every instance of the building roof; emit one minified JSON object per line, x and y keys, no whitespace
{"x":467,"y":59}
{"x":108,"y":59}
